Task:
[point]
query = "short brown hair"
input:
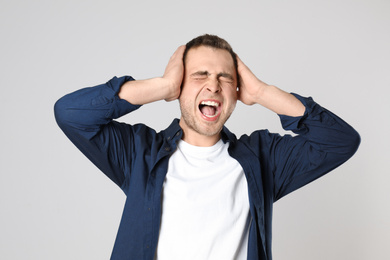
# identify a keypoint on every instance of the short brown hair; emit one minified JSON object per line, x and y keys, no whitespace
{"x":212,"y":41}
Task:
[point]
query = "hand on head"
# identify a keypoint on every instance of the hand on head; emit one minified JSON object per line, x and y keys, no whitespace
{"x":174,"y":72}
{"x":250,"y":85}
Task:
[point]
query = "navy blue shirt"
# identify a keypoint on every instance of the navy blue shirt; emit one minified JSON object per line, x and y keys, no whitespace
{"x":135,"y":157}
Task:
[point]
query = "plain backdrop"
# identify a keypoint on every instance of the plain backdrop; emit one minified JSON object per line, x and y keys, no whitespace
{"x":55,"y":204}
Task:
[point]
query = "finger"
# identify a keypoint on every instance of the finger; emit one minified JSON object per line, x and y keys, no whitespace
{"x":239,"y":61}
{"x":179,"y":52}
{"x":175,"y":59}
{"x":241,"y":65}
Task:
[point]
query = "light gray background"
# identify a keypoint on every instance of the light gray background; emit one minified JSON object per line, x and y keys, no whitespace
{"x":56,"y":205}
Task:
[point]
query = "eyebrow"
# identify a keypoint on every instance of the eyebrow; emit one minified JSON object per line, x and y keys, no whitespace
{"x":225,"y":75}
{"x":206,"y":73}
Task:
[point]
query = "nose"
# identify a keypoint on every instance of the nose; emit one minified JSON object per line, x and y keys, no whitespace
{"x":213,"y":86}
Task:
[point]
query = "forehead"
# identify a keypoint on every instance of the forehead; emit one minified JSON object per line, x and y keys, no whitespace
{"x":208,"y":58}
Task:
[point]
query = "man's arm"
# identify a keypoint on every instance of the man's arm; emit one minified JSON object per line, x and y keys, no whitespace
{"x":86,"y":116}
{"x":167,"y":87}
{"x":323,"y":141}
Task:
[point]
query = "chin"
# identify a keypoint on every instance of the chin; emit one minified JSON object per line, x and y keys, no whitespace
{"x":210,"y":130}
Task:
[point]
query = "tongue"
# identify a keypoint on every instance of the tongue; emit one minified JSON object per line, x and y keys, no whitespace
{"x":208,"y":110}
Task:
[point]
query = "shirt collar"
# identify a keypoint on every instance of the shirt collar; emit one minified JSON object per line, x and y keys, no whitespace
{"x":174,"y":132}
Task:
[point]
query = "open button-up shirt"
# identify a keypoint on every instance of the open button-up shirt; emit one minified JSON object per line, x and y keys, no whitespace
{"x":135,"y":157}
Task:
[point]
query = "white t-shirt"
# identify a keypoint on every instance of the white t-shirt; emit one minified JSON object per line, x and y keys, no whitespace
{"x":205,"y":205}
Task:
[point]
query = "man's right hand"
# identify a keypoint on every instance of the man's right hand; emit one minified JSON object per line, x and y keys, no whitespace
{"x":167,"y":87}
{"x":174,"y":73}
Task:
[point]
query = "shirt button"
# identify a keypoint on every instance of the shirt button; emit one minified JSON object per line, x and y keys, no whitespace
{"x":167,"y":149}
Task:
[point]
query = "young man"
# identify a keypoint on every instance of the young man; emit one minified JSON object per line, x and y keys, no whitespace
{"x":195,"y":191}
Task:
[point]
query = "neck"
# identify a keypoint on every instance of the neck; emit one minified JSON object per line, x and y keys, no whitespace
{"x":202,"y":141}
{"x":194,"y":138}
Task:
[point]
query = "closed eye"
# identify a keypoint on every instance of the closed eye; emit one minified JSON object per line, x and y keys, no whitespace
{"x":226,"y":80}
{"x":200,"y":75}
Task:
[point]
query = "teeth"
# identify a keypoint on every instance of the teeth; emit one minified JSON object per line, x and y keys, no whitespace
{"x":210,"y":103}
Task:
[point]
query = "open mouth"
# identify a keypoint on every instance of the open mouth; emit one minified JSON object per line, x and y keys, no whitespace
{"x":209,"y":108}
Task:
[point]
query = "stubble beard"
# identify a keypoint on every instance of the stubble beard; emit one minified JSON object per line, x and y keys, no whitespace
{"x":207,"y":128}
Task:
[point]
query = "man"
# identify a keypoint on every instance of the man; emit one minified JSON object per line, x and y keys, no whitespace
{"x":195,"y":191}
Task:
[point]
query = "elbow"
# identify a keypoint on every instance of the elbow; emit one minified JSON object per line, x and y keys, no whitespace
{"x":60,"y":112}
{"x":352,"y":144}
{"x":355,"y":142}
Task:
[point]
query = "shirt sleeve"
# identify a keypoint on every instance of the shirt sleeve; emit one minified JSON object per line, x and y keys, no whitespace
{"x":323,"y":142}
{"x":86,"y":117}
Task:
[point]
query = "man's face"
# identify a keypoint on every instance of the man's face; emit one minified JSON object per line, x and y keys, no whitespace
{"x":209,"y":92}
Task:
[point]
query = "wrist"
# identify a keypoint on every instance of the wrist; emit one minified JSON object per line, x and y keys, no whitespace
{"x":261,"y":92}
